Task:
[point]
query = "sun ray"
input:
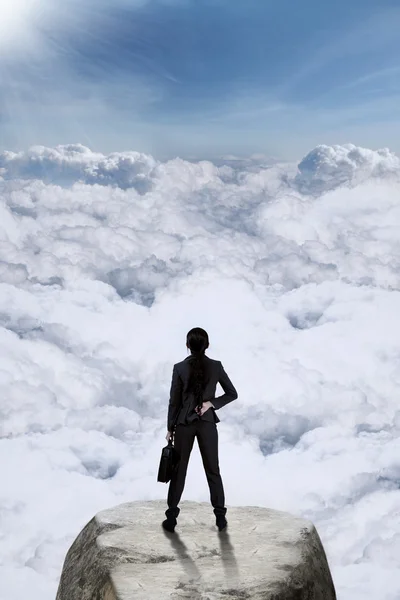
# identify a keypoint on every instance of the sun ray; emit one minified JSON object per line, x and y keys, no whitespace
{"x":17,"y":21}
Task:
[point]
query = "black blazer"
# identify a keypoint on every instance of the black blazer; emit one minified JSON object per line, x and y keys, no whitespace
{"x":182,"y":402}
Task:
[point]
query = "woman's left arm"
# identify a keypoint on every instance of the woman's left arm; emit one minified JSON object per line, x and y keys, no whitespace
{"x":175,"y":398}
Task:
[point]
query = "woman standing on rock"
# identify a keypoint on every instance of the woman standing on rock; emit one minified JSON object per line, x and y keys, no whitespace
{"x":192,"y":407}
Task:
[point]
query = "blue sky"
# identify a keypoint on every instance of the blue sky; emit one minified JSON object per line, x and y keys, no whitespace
{"x":201,"y":78}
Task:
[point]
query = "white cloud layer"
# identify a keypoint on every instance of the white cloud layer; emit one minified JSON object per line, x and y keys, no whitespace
{"x":107,"y":261}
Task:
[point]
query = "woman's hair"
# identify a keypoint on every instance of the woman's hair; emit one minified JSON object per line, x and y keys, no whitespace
{"x":197,"y":342}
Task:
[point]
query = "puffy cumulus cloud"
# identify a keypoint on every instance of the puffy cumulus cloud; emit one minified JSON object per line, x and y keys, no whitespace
{"x":327,"y":167}
{"x":68,"y":164}
{"x":107,"y":261}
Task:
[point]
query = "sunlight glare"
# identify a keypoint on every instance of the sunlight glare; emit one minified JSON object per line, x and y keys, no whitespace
{"x":17,"y":20}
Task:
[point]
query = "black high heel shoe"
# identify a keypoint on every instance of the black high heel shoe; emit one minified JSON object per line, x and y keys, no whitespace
{"x":221,"y":522}
{"x":169,"y":525}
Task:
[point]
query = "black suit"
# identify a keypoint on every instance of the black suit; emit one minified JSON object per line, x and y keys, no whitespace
{"x":189,"y":425}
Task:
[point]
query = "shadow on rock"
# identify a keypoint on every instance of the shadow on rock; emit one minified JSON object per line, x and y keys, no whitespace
{"x":228,"y":558}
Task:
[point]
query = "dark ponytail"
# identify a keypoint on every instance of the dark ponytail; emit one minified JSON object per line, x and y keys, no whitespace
{"x":197,"y":342}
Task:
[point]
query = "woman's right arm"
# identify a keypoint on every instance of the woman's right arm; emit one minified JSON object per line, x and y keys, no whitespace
{"x":175,"y":398}
{"x":228,"y":387}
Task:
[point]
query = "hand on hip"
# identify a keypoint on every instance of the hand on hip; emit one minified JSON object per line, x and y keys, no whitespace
{"x":204,"y":408}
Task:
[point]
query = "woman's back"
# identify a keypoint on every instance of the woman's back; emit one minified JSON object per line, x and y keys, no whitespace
{"x":214,"y":373}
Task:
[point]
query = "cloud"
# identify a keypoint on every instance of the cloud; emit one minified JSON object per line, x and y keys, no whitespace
{"x":65,"y":165}
{"x":328,"y":167}
{"x":108,"y":260}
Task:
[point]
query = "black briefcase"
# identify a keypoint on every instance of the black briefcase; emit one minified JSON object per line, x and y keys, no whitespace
{"x":168,"y":462}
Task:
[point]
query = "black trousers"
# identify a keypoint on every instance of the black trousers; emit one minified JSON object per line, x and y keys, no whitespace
{"x":207,"y":437}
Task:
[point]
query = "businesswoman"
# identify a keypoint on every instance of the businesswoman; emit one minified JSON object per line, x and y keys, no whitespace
{"x":192,"y":407}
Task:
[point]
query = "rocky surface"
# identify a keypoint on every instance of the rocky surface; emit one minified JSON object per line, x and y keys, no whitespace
{"x":124,"y":554}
